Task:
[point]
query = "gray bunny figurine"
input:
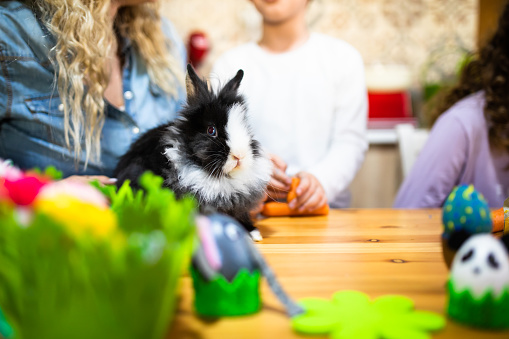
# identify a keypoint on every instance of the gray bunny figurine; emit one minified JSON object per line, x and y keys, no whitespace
{"x":226,"y":248}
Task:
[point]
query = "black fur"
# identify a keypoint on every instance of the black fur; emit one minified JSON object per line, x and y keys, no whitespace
{"x":190,"y":146}
{"x":147,"y":153}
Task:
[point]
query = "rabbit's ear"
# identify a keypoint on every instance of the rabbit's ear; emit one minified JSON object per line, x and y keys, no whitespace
{"x":233,"y":84}
{"x":195,"y":86}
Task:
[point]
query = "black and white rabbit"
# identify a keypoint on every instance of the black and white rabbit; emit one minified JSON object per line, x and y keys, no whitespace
{"x":208,"y":152}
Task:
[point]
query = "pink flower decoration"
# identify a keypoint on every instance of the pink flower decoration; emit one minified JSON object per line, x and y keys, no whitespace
{"x":23,"y":191}
{"x":8,"y":171}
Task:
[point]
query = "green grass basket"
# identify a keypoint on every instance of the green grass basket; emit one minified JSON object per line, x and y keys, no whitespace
{"x":56,"y":285}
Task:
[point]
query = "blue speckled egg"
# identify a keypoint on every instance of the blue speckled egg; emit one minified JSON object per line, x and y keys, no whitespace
{"x":466,"y":209}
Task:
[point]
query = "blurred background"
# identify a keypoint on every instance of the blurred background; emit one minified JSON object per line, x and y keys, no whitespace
{"x":411,"y":50}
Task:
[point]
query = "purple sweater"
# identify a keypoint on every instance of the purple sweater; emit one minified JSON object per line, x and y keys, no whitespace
{"x":457,"y":152}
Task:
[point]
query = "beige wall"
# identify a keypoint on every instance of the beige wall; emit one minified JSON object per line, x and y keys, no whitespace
{"x":409,"y":32}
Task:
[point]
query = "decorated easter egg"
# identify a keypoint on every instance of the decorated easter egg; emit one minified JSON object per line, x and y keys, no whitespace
{"x":464,"y":210}
{"x":478,"y":286}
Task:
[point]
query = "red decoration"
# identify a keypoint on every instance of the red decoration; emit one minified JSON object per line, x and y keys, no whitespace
{"x":198,"y":47}
{"x":389,"y":104}
{"x":23,"y":191}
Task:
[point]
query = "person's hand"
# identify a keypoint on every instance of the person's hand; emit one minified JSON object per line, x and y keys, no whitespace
{"x":310,"y":194}
{"x":279,"y":184}
{"x":102,"y":179}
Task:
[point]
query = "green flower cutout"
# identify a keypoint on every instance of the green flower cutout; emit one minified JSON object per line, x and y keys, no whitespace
{"x":352,"y":315}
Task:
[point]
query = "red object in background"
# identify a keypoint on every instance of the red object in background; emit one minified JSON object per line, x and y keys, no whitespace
{"x":197,"y":48}
{"x":389,"y":104}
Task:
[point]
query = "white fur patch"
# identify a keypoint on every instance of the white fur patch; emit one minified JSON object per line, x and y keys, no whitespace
{"x":238,"y":141}
{"x":172,"y":154}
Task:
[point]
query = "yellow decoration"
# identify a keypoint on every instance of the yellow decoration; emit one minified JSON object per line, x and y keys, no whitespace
{"x":452,"y":195}
{"x":467,"y":194}
{"x":78,"y":217}
{"x":450,"y":224}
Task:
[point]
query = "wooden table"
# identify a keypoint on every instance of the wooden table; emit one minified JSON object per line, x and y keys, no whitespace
{"x":376,"y":251}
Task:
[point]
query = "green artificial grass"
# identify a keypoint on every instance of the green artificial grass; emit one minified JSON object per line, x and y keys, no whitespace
{"x":487,"y":312}
{"x":56,"y":285}
{"x":219,"y":297}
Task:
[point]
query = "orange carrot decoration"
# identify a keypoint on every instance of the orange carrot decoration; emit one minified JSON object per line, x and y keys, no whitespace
{"x":281,"y":209}
{"x":498,"y":220}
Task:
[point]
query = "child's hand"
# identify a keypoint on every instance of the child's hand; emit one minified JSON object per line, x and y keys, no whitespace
{"x":310,"y":193}
{"x":279,"y":184}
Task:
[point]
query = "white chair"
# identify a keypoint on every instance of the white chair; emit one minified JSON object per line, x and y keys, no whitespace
{"x":410,"y":142}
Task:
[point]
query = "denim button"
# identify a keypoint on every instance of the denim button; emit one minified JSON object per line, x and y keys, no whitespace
{"x":61,"y":107}
{"x":136,"y":130}
{"x":128,"y":95}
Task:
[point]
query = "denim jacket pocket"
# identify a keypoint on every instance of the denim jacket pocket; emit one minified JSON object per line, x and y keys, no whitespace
{"x":49,"y":104}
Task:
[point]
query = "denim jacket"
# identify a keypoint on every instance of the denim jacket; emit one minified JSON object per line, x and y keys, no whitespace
{"x":31,"y":113}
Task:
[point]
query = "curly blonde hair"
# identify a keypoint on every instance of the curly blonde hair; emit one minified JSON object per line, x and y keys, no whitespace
{"x":86,"y":33}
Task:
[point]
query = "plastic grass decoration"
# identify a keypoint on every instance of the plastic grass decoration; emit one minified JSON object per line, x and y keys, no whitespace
{"x":219,"y":297}
{"x":79,"y":269}
{"x":488,"y":311}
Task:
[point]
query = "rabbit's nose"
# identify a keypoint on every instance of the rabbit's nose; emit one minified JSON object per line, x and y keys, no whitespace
{"x":238,"y":160}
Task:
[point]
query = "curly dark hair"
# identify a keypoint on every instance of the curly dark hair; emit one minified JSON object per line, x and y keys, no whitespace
{"x":488,"y":72}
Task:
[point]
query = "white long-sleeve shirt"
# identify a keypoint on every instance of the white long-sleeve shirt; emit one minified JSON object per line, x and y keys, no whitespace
{"x":308,"y":106}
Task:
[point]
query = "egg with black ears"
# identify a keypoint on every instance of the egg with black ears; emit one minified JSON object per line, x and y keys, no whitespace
{"x":481,"y":265}
{"x":479,"y":282}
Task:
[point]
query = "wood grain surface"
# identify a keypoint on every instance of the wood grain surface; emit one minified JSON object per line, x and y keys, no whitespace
{"x":375,"y":251}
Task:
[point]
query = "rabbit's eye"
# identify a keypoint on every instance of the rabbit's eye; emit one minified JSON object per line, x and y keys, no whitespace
{"x":211,"y":130}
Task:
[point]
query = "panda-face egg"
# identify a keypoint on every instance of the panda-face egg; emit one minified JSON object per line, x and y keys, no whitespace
{"x":481,"y":265}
